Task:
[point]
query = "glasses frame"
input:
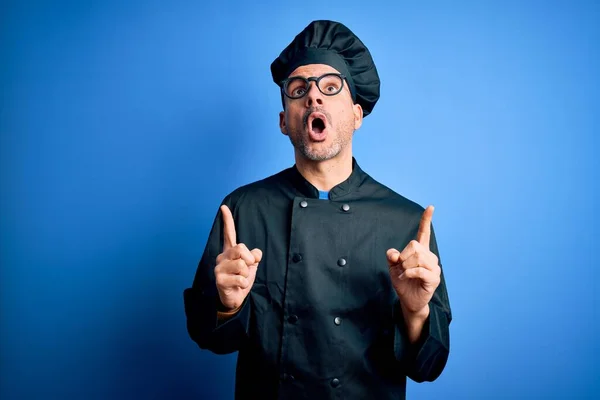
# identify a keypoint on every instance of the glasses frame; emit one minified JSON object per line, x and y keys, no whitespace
{"x":285,"y":82}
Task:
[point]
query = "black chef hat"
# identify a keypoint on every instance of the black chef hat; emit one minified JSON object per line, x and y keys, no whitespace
{"x":332,"y":43}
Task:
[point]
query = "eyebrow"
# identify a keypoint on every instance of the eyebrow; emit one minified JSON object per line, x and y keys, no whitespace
{"x":314,"y":76}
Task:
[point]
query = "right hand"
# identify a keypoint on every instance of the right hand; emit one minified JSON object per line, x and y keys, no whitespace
{"x":236,"y":266}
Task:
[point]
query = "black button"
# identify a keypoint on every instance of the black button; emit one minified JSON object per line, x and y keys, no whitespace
{"x":342,"y":262}
{"x":335,"y":382}
{"x":337,"y":320}
{"x":303,"y":204}
{"x":292,"y":319}
{"x":346,"y":207}
{"x":297,"y":257}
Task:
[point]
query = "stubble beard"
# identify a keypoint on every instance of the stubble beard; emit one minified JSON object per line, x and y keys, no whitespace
{"x":317,"y":151}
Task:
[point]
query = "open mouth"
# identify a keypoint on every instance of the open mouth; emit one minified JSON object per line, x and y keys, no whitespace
{"x":317,"y":126}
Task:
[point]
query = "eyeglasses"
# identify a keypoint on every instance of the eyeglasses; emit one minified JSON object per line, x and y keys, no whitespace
{"x":329,"y":84}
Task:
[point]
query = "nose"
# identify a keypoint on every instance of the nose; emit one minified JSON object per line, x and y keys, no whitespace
{"x":314,"y":97}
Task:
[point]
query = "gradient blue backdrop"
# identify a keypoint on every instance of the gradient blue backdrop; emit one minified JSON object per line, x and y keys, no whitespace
{"x":123,"y":126}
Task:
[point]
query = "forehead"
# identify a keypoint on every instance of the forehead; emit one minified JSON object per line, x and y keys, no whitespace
{"x":313,"y":70}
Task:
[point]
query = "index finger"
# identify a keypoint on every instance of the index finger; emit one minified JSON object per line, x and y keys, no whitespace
{"x":424,"y":233}
{"x":229,"y":237}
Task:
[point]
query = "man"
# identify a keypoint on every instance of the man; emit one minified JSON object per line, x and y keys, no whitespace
{"x":327,"y":282}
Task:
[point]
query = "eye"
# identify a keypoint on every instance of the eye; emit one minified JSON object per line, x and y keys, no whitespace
{"x":330,"y":84}
{"x":296,"y":87}
{"x":298,"y":91}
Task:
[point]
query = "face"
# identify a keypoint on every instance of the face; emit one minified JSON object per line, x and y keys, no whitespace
{"x":320,"y":127}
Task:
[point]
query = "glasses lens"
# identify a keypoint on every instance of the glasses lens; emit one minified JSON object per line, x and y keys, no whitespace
{"x":296,"y":88}
{"x":330,"y":84}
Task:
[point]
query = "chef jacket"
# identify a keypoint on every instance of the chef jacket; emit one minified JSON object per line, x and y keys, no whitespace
{"x":322,"y":320}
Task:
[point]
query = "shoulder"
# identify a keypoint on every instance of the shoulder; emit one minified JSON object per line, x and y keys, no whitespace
{"x":391,"y":200}
{"x":259,"y":191}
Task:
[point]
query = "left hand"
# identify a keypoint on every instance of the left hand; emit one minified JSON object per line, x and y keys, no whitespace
{"x":415,"y":272}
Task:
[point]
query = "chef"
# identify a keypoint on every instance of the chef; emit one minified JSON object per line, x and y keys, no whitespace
{"x":328,"y":283}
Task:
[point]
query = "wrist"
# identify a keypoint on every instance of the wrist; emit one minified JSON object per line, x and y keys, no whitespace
{"x":418,"y":315}
{"x":225,"y":309}
{"x":414,"y":322}
{"x":225,"y":314}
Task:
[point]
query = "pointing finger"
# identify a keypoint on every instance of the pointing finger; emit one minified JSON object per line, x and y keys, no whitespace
{"x":424,"y":233}
{"x":229,"y":239}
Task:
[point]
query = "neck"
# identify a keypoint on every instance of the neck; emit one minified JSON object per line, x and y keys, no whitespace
{"x":324,"y":175}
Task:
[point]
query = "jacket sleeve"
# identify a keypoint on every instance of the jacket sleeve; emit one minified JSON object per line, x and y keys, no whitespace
{"x":425,"y":360}
{"x":201,"y":302}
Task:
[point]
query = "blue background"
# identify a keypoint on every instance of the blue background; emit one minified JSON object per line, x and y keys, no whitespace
{"x":124,"y":125}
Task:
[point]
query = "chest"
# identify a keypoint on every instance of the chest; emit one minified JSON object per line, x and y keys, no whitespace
{"x":324,"y":252}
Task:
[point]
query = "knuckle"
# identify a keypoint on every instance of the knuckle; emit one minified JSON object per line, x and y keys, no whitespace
{"x":227,"y":266}
{"x":401,"y":258}
{"x":413,"y":244}
{"x":226,"y":255}
{"x":419,"y":258}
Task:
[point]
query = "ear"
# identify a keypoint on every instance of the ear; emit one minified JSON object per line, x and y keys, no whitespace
{"x":282,"y":125}
{"x":358,"y":116}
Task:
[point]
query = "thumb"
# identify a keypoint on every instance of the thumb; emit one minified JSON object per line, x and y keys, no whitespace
{"x":393,"y":256}
{"x":257,"y":253}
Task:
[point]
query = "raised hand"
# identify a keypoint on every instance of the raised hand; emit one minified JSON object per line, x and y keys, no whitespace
{"x":236,"y":266}
{"x":415,"y":272}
